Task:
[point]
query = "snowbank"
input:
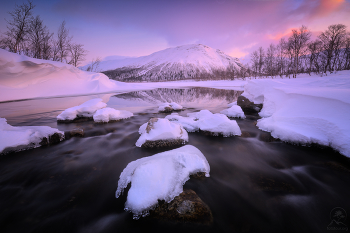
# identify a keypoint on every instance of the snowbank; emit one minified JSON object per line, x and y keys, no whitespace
{"x":159,"y":177}
{"x":305,"y":110}
{"x":234,"y":111}
{"x":24,"y":137}
{"x":161,"y":129}
{"x":169,"y":107}
{"x":110,"y":114}
{"x":22,"y":77}
{"x":204,"y":120}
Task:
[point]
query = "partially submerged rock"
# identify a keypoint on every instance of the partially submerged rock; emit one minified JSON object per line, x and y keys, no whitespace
{"x":169,"y":107}
{"x":26,"y":137}
{"x":247,"y":106}
{"x":187,"y":207}
{"x":158,"y":132}
{"x":159,"y":177}
{"x":234,"y":111}
{"x":95,"y":110}
{"x":208,"y":123}
{"x":74,"y":133}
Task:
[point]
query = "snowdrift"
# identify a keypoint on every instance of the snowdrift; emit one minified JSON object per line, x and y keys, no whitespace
{"x":22,"y":77}
{"x":305,"y":110}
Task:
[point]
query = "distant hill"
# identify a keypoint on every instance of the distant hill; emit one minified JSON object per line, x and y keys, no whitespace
{"x":194,"y":61}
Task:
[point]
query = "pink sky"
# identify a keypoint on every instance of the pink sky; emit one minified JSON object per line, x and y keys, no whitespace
{"x":139,"y":27}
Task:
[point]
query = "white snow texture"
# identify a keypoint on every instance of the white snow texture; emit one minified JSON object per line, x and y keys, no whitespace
{"x":162,"y":129}
{"x":96,"y":109}
{"x":206,"y":121}
{"x":305,"y":110}
{"x":159,"y":177}
{"x":24,"y":137}
{"x":172,"y":105}
{"x":234,"y":111}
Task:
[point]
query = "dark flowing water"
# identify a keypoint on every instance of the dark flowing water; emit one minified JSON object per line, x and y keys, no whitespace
{"x":255,"y":186}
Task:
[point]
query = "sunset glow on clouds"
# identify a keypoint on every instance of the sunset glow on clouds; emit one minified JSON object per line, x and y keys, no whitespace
{"x":139,"y":27}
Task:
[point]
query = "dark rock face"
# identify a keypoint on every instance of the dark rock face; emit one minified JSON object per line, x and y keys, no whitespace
{"x":150,"y":124}
{"x":77,"y":119}
{"x":53,"y":139}
{"x":187,"y":207}
{"x":163,"y":143}
{"x":167,"y":110}
{"x":247,"y":106}
{"x":266,"y":137}
{"x":74,"y":133}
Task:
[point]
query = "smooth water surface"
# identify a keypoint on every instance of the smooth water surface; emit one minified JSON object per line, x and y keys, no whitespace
{"x":255,"y":185}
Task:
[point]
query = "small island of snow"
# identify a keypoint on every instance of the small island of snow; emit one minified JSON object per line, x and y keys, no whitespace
{"x":26,"y":137}
{"x":217,"y":124}
{"x":169,"y":107}
{"x":234,"y":111}
{"x":95,"y":109}
{"x":158,"y":132}
{"x":159,"y":177}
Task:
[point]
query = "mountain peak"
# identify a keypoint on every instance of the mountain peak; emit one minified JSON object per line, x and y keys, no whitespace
{"x":190,"y":61}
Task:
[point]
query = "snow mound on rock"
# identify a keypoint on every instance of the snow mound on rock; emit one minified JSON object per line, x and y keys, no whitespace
{"x":24,"y":136}
{"x":172,"y":105}
{"x":161,"y":129}
{"x":234,"y":111}
{"x":86,"y":109}
{"x":159,"y":177}
{"x":207,"y":121}
{"x":110,"y":114}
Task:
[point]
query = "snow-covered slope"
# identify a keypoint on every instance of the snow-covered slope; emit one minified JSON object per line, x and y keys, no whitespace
{"x":22,"y":77}
{"x":182,"y":62}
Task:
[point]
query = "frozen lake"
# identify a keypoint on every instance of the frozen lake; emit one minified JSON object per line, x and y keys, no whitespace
{"x":255,"y":185}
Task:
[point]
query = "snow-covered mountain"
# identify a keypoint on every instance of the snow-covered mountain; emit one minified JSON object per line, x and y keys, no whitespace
{"x":194,"y":61}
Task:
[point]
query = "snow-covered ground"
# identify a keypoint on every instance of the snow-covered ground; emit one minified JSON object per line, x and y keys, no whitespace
{"x":306,"y":109}
{"x":159,"y":177}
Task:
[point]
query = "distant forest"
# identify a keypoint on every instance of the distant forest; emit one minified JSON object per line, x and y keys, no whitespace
{"x":330,"y":52}
{"x":28,"y":35}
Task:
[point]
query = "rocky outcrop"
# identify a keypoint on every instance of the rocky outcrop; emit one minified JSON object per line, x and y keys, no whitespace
{"x":187,"y":207}
{"x":247,"y":106}
{"x":74,"y":133}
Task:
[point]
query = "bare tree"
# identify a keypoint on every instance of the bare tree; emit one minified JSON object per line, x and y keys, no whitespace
{"x":254,"y":58}
{"x":332,"y":39}
{"x":261,"y":56}
{"x":63,"y":42}
{"x":314,"y":50}
{"x":77,"y":53}
{"x":270,"y":60}
{"x":93,"y":67}
{"x":346,"y":55}
{"x":38,"y":38}
{"x":18,"y":26}
{"x":298,"y":45}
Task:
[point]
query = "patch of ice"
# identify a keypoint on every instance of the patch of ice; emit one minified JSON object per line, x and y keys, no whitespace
{"x":86,"y":109}
{"x":207,"y":121}
{"x":24,"y":136}
{"x":159,"y":177}
{"x":111,"y":114}
{"x":234,"y":111}
{"x":161,"y":129}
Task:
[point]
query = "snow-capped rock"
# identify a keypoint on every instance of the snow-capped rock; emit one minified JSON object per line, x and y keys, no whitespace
{"x":159,"y":177}
{"x":169,"y":107}
{"x":204,"y":120}
{"x":105,"y":115}
{"x":182,"y":62}
{"x":26,"y":137}
{"x":158,"y":132}
{"x":234,"y":111}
